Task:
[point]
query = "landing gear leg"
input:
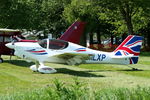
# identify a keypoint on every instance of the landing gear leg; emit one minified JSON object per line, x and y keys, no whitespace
{"x":134,"y":69}
{"x":11,"y":54}
{"x":35,"y":67}
{"x":1,"y":60}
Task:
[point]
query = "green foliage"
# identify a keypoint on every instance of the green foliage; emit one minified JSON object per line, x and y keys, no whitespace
{"x":78,"y":9}
{"x":64,"y":92}
{"x":33,"y":14}
{"x":51,"y":16}
{"x":105,"y":16}
{"x":145,"y":53}
{"x":15,"y":14}
{"x":138,"y":93}
{"x":88,"y":11}
{"x":78,"y":91}
{"x":125,"y":15}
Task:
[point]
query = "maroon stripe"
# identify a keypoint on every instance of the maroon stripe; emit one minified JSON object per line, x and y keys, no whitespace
{"x":130,"y":61}
{"x":80,"y":50}
{"x":38,"y":51}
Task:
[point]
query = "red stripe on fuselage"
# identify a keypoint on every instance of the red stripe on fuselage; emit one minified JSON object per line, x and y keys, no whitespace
{"x":38,"y":51}
{"x":80,"y":50}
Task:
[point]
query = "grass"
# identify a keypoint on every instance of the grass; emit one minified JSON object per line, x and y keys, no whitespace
{"x":17,"y":79}
{"x":80,"y":91}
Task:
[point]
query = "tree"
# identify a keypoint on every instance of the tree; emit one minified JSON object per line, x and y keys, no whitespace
{"x":33,"y":14}
{"x":89,"y":12}
{"x":15,"y":14}
{"x":52,"y":16}
{"x":123,"y":13}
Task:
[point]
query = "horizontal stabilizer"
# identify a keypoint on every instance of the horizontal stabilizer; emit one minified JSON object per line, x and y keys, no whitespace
{"x":122,"y":57}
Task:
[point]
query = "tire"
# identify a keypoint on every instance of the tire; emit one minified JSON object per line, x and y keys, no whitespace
{"x":1,"y":60}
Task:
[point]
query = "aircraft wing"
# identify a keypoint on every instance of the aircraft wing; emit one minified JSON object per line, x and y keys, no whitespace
{"x":73,"y":58}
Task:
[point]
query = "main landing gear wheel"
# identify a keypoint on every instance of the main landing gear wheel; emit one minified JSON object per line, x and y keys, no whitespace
{"x":1,"y":60}
{"x":46,"y":70}
{"x":135,"y":69}
{"x":43,"y":69}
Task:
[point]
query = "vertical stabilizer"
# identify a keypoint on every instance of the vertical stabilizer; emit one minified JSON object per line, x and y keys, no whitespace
{"x":74,"y":32}
{"x":131,"y":45}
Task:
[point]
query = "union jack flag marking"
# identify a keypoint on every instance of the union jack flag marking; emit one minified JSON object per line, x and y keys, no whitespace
{"x":131,"y":45}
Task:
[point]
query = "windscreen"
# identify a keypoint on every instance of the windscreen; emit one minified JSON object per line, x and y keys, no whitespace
{"x":43,"y":43}
{"x":53,"y":44}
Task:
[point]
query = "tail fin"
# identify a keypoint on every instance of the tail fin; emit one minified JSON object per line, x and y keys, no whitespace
{"x":130,"y":46}
{"x":74,"y":32}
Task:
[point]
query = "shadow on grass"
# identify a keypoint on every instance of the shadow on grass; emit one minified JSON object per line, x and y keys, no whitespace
{"x":130,"y":70}
{"x":100,"y":70}
{"x":77,"y":73}
{"x":114,"y":70}
{"x":21,"y":63}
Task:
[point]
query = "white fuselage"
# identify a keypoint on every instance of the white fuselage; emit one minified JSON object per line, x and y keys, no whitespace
{"x":22,"y":49}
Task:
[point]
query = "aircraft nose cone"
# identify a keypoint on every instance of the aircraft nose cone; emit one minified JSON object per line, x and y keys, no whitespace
{"x":9,"y":45}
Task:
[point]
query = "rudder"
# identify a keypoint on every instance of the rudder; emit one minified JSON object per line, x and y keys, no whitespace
{"x":131,"y":45}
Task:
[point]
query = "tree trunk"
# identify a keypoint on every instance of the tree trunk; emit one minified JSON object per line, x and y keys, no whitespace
{"x":124,"y":36}
{"x":117,"y":41}
{"x":91,"y":38}
{"x":148,"y":40}
{"x":98,"y":37}
{"x":112,"y":39}
{"x":129,"y":25}
{"x":126,"y":14}
{"x":83,"y":40}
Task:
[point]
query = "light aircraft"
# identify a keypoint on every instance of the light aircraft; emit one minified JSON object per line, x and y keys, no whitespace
{"x":6,"y":37}
{"x":60,"y":51}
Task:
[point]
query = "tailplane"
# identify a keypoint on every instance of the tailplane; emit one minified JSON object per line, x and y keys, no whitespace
{"x":74,"y":32}
{"x":129,"y":48}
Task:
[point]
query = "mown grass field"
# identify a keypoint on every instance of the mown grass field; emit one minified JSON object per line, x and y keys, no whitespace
{"x":16,"y":77}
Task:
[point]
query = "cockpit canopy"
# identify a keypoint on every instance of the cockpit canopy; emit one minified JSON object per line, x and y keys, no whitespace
{"x":53,"y":44}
